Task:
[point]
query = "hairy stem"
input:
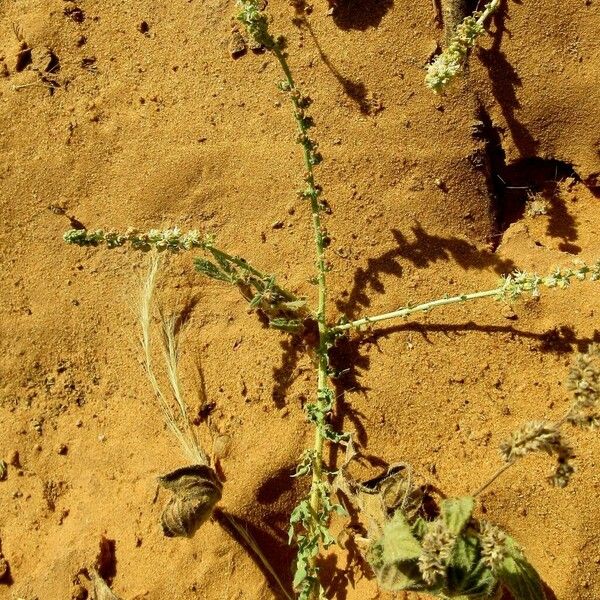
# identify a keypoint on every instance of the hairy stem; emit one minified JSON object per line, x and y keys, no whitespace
{"x":454,"y":12}
{"x":489,"y":9}
{"x":511,"y":287}
{"x":493,"y":478}
{"x":460,"y":38}
{"x":309,"y":520}
{"x":410,"y":310}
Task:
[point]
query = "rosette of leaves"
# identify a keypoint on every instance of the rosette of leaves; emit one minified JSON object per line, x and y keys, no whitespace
{"x":451,"y":557}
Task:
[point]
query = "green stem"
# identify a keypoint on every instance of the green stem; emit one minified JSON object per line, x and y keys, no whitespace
{"x":313,"y":192}
{"x":409,"y":310}
{"x":512,"y":287}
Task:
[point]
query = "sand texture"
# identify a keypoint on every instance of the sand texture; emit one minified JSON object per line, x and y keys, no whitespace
{"x":135,"y":114}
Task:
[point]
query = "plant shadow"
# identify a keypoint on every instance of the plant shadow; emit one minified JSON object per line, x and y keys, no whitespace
{"x":558,"y":340}
{"x":336,"y":579}
{"x":275,"y":549}
{"x":505,"y":81}
{"x":423,"y":251}
{"x":359,"y":14}
{"x":355,"y":90}
{"x":284,"y":375}
{"x":538,"y":177}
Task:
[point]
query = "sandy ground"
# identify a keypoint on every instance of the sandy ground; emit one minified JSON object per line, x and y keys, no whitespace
{"x":116,"y":124}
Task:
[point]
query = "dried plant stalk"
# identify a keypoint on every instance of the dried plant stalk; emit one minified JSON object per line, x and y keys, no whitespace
{"x":454,"y":13}
{"x":184,"y":433}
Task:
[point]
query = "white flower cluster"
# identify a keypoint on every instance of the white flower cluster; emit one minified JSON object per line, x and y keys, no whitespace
{"x":516,"y":284}
{"x":173,"y":240}
{"x":450,"y":62}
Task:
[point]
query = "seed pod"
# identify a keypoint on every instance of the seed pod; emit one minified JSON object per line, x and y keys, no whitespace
{"x":196,"y":490}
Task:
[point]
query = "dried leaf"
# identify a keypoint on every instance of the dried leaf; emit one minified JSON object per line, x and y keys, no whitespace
{"x":196,"y":491}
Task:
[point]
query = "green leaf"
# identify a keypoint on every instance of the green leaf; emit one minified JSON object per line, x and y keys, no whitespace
{"x":210,"y":270}
{"x":480,"y":583}
{"x":300,"y":574}
{"x":419,"y":528}
{"x":465,"y":553}
{"x":294,"y":305}
{"x":457,"y":513}
{"x":466,"y":574}
{"x":400,"y":576}
{"x":519,"y":576}
{"x":290,"y":325}
{"x":398,"y":542}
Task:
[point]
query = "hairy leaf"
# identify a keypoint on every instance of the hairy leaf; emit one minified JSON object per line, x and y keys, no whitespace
{"x":400,"y":576}
{"x":211,"y":270}
{"x":398,"y":542}
{"x":465,"y":554}
{"x":519,"y":576}
{"x":457,"y":513}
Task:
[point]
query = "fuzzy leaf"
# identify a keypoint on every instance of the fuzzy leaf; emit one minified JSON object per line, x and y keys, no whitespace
{"x":519,"y":576}
{"x":419,"y":528}
{"x":398,"y":542}
{"x":465,"y":553}
{"x":289,"y":325}
{"x":400,"y":576}
{"x":480,"y":583}
{"x":300,"y":575}
{"x":294,"y":305}
{"x":457,"y":513}
{"x":210,"y":270}
{"x":466,"y":574}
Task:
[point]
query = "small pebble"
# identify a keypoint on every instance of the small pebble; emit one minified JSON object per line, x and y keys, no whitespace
{"x":510,"y":314}
{"x":63,"y":449}
{"x":277,"y":225}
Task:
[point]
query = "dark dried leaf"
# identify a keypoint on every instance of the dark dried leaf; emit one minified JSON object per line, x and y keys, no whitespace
{"x":196,"y":491}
